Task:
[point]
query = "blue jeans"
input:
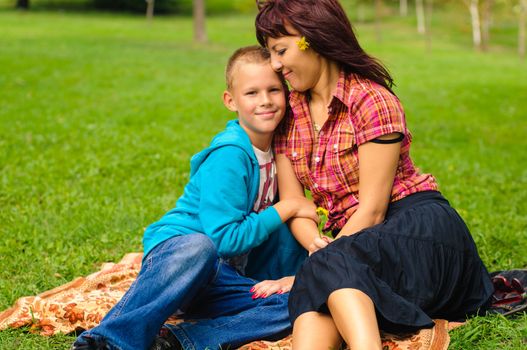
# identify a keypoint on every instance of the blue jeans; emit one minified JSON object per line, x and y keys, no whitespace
{"x":184,"y":273}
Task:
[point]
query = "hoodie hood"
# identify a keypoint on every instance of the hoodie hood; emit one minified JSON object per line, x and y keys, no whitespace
{"x":233,"y":135}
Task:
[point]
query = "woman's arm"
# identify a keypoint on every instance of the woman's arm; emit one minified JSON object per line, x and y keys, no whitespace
{"x":304,"y":230}
{"x":223,"y":205}
{"x":378,"y":164}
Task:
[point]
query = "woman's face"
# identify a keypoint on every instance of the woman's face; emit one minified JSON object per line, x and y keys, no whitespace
{"x":301,"y":68}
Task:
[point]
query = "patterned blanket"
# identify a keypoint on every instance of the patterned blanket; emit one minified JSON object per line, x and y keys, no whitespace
{"x":83,"y":302}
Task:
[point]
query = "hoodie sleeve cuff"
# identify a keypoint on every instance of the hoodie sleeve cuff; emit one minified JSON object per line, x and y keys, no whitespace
{"x":271,"y":219}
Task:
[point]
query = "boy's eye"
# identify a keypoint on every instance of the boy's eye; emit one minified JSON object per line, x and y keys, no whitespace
{"x":276,"y":90}
{"x":250,"y":93}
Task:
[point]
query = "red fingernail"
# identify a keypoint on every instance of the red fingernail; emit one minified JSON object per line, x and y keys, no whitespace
{"x":254,"y":296}
{"x":252,"y":290}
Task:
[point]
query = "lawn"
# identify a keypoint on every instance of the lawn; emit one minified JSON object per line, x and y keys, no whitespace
{"x":100,"y":114}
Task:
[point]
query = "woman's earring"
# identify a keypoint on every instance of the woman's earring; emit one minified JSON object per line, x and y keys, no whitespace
{"x":303,"y":45}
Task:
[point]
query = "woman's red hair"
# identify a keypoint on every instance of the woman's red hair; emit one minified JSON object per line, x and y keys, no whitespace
{"x":328,"y":31}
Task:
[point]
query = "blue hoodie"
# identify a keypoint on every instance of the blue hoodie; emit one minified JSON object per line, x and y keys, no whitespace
{"x":218,"y":201}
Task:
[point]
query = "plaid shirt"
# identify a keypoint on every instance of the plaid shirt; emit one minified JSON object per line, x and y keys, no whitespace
{"x":328,"y":165}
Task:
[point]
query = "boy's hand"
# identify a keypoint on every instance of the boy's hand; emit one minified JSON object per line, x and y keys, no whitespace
{"x":306,"y":209}
{"x":270,"y":287}
{"x":297,"y":207}
{"x":319,"y":243}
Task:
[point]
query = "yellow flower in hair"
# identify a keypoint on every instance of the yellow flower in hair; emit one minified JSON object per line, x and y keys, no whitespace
{"x":303,"y":45}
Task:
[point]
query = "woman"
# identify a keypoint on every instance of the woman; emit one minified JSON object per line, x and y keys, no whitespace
{"x":402,"y":255}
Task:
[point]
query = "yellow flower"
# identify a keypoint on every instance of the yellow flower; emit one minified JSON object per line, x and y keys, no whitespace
{"x":303,"y":45}
{"x":322,"y":211}
{"x":323,"y":215}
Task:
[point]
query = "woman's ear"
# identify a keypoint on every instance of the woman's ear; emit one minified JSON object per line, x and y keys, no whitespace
{"x":228,"y":101}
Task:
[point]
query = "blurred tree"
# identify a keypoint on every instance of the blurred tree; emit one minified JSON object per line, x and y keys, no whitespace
{"x":486,"y":20}
{"x":378,"y":19}
{"x":428,"y":23}
{"x":360,"y":10}
{"x":420,"y":13}
{"x":475,"y":18}
{"x":521,"y":27}
{"x":22,"y":4}
{"x":423,"y":12}
{"x":403,"y":7}
{"x":141,"y":6}
{"x":200,"y":34}
{"x":150,"y":4}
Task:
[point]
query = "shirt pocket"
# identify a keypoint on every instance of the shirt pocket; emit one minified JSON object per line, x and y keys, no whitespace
{"x":300,"y":165}
{"x":343,"y":156}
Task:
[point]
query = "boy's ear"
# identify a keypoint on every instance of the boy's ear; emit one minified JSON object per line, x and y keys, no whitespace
{"x":228,"y":101}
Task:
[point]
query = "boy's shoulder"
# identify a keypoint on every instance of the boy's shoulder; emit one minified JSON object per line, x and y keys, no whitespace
{"x":231,"y":146}
{"x":232,"y":134}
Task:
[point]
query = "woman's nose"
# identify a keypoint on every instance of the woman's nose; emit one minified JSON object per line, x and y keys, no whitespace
{"x":276,"y":64}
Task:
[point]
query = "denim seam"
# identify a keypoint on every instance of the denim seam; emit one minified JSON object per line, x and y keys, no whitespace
{"x":220,"y":261}
{"x":97,"y":338}
{"x":122,"y":303}
{"x":233,"y":320}
{"x":182,"y":337}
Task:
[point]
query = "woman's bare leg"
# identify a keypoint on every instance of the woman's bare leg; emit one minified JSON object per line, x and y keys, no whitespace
{"x":317,"y":331}
{"x":353,"y":313}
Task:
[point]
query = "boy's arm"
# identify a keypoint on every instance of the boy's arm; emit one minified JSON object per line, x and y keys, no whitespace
{"x":304,"y":230}
{"x":224,"y":209}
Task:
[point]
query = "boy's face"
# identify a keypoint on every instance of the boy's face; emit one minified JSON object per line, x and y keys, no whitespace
{"x":258,"y":97}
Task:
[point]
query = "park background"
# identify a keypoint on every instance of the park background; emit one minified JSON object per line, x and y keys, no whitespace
{"x":101,"y":109}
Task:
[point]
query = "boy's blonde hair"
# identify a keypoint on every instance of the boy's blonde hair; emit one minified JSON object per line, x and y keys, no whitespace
{"x":248,"y":54}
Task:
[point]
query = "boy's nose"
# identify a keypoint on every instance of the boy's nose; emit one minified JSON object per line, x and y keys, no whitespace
{"x":265,"y":100}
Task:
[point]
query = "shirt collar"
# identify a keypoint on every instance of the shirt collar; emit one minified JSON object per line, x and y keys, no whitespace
{"x":341,"y":94}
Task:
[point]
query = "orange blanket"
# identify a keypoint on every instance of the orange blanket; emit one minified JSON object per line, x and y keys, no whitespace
{"x":82,"y":303}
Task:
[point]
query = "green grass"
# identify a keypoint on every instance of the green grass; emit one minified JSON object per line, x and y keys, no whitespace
{"x":100,"y":113}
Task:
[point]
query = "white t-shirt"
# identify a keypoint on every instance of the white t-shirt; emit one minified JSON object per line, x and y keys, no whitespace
{"x":268,"y":184}
{"x":266,"y":195}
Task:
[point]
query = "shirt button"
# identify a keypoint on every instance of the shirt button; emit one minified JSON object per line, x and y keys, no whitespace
{"x":315,"y":185}
{"x":317,"y":159}
{"x":330,"y":110}
{"x":294,"y":154}
{"x":335,"y":146}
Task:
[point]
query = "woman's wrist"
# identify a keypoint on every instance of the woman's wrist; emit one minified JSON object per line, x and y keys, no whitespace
{"x":286,"y":209}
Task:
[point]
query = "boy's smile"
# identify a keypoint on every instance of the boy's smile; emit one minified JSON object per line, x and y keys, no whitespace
{"x":258,"y":97}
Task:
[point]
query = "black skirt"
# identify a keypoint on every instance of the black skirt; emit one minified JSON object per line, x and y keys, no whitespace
{"x":420,"y":263}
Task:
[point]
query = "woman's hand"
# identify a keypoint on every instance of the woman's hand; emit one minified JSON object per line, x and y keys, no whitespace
{"x":270,"y":287}
{"x":319,"y":243}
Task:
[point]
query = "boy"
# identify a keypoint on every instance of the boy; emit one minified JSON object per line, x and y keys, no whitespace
{"x":224,"y":224}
